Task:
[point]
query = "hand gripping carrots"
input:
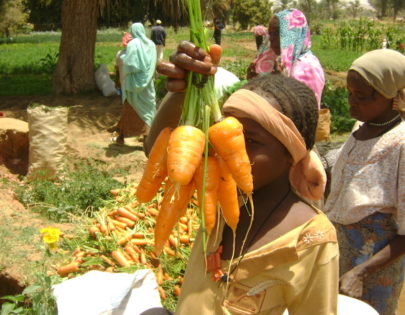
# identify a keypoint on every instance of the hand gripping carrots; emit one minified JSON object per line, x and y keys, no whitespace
{"x":188,"y":57}
{"x":186,"y":147}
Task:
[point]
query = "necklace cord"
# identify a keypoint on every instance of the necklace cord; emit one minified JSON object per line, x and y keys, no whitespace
{"x":384,"y":123}
{"x":225,"y":276}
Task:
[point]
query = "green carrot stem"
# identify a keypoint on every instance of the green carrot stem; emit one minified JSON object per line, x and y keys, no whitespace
{"x":206,"y":124}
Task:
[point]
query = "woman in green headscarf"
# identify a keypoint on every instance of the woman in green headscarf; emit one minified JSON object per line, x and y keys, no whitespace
{"x":138,"y":91}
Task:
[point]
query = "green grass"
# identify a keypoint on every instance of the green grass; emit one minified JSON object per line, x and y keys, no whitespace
{"x":333,"y":59}
{"x":26,"y":64}
{"x":25,"y":85}
{"x":80,"y":189}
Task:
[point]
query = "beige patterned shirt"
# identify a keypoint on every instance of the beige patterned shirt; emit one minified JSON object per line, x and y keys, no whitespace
{"x":298,"y":271}
{"x":369,"y":177}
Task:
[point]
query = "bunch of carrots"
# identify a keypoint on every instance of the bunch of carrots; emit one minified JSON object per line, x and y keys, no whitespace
{"x":122,"y":240}
{"x":206,"y":152}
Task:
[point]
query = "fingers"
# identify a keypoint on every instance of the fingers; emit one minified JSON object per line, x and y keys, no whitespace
{"x":188,"y":63}
{"x":192,"y":50}
{"x":170,"y":70}
{"x":175,"y":85}
{"x":188,"y":57}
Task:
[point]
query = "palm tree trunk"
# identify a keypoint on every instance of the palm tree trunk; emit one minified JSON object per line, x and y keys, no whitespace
{"x":74,"y":72}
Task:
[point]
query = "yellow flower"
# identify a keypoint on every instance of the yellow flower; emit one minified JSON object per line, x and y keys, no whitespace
{"x":50,"y":236}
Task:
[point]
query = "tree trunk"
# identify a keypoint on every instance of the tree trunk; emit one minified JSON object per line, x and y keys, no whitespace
{"x":74,"y":72}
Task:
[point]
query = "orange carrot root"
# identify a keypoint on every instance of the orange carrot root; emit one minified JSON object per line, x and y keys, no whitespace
{"x":186,"y":145}
{"x":228,"y":140}
{"x":156,"y":168}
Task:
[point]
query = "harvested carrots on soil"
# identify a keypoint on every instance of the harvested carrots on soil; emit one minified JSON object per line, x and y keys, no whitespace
{"x":211,"y":191}
{"x":159,"y":275}
{"x":142,"y":258}
{"x":120,"y":258}
{"x":169,"y":251}
{"x":173,"y":206}
{"x":93,"y":230}
{"x":131,"y":252}
{"x":184,"y":153}
{"x":177,"y":290}
{"x":119,"y":224}
{"x":153,"y":212}
{"x":184,"y":239}
{"x":107,"y":260}
{"x":125,"y":239}
{"x":228,"y":196}
{"x":156,"y":168}
{"x":229,"y":142}
{"x":126,"y":221}
{"x":127,"y":214}
{"x":162,"y":293}
{"x":140,"y":242}
{"x":65,"y":270}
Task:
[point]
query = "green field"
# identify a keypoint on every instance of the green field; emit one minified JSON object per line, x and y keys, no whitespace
{"x":27,"y":61}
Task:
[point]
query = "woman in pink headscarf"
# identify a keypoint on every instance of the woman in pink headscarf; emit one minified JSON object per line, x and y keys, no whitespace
{"x":290,"y":53}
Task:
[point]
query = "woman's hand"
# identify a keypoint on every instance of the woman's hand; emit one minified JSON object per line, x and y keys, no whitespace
{"x":188,"y":57}
{"x":351,"y":283}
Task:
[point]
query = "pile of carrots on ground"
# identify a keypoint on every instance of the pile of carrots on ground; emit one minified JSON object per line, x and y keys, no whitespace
{"x":120,"y":239}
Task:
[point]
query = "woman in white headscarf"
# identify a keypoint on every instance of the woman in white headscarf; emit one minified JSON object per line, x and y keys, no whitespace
{"x":138,"y":90}
{"x":367,"y":198}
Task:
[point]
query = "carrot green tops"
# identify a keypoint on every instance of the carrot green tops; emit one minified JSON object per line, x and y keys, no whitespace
{"x":297,"y":271}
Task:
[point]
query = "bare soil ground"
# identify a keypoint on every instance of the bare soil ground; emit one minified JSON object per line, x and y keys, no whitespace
{"x":89,"y":118}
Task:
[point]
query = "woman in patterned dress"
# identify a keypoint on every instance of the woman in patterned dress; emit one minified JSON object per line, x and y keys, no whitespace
{"x":289,"y":52}
{"x":367,"y":198}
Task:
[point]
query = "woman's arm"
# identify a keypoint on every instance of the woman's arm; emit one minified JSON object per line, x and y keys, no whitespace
{"x":167,"y":115}
{"x":351,"y":283}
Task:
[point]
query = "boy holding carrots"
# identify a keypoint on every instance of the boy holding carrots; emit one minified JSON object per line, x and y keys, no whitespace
{"x":286,"y":254}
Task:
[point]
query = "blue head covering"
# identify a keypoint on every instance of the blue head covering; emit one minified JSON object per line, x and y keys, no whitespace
{"x":295,"y":37}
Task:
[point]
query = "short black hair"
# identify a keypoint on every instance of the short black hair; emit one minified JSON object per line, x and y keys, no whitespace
{"x":297,"y":101}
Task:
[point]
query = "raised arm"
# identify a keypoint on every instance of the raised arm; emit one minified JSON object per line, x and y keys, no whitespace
{"x":167,"y":115}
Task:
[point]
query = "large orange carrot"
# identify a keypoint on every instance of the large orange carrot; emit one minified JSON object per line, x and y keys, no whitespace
{"x":184,"y":153}
{"x":120,"y":258}
{"x":127,"y":214}
{"x":211,"y":191}
{"x":156,"y":168}
{"x":63,"y":271}
{"x":228,"y":140}
{"x":228,"y":196}
{"x":173,"y":206}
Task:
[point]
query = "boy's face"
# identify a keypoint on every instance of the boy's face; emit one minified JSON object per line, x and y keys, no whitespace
{"x":268,"y":157}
